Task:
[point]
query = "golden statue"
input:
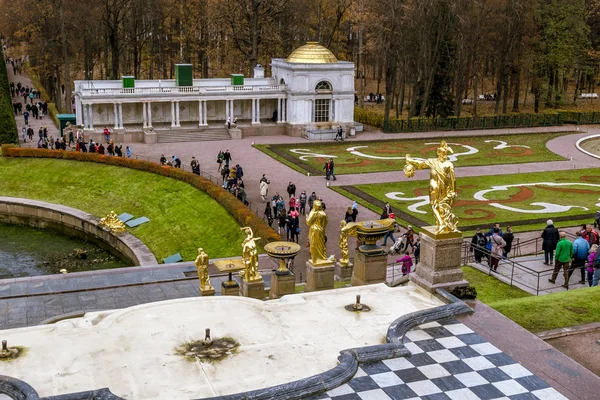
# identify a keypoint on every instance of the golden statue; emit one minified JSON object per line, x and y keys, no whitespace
{"x":317,"y":222}
{"x":202,"y":267}
{"x":112,"y":223}
{"x":250,"y":256}
{"x":442,"y":190}
{"x":344,"y":244}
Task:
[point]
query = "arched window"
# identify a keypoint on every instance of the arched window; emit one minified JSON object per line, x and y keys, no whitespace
{"x":323,"y":86}
{"x":282,"y":81}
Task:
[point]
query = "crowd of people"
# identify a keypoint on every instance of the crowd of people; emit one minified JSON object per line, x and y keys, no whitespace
{"x":582,"y":254}
{"x":492,"y":245}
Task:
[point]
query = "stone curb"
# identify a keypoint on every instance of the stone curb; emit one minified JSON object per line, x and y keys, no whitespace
{"x":348,"y":362}
{"x":568,"y":331}
{"x":14,"y":209}
{"x":581,"y":149}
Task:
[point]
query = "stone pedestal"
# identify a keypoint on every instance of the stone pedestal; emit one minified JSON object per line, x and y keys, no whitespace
{"x":150,"y":137}
{"x":369,"y":269}
{"x":319,"y":277}
{"x":255,"y":290}
{"x":207,"y":292}
{"x":343,"y":272}
{"x":440,"y":262}
{"x":235,"y":133}
{"x":230,"y":288}
{"x":282,"y":285}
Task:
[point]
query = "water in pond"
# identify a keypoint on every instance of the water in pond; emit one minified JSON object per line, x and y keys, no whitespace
{"x":26,"y":251}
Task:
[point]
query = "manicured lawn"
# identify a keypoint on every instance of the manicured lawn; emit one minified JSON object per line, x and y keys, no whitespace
{"x":490,"y":289}
{"x":536,"y":313}
{"x":388,"y":155}
{"x":551,"y":311}
{"x":182,"y":218}
{"x":519,"y":199}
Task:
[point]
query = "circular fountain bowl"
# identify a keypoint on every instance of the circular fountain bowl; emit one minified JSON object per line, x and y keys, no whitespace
{"x":369,"y":232}
{"x":282,"y":250}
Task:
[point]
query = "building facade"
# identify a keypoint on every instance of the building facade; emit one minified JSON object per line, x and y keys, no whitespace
{"x":310,"y":90}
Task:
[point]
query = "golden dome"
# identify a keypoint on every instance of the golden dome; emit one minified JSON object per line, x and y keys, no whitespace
{"x":312,"y":53}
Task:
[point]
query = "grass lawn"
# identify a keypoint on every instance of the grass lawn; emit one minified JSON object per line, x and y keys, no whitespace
{"x":388,"y":155}
{"x":551,"y":311}
{"x":523,"y":202}
{"x":182,"y":218}
{"x":490,"y":289}
{"x":536,"y":313}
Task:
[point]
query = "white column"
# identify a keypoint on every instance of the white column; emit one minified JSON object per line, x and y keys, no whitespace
{"x":204,"y":113}
{"x":78,"y":112}
{"x":253,"y":113}
{"x":86,"y":116}
{"x":116,"y":114}
{"x":145,"y":117}
{"x":177,"y":113}
{"x":226,"y":110}
{"x":121,"y":115}
{"x":91,"y":117}
{"x":284,"y":113}
{"x":232,"y":112}
{"x":200,"y":117}
{"x":258,"y":111}
{"x":279,"y":109}
{"x":172,"y":114}
{"x":149,"y":104}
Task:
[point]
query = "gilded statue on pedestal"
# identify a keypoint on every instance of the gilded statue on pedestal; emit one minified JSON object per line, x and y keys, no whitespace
{"x":250,"y":256}
{"x":202,"y":267}
{"x":442,"y":190}
{"x":344,"y":244}
{"x":112,"y":223}
{"x":317,"y":222}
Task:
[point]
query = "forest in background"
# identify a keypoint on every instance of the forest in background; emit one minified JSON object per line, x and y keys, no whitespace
{"x":424,"y":56}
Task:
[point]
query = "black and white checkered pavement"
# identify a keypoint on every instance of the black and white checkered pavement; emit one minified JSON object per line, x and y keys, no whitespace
{"x":449,"y":361}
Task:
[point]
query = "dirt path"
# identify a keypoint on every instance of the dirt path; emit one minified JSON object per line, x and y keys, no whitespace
{"x":583,"y":348}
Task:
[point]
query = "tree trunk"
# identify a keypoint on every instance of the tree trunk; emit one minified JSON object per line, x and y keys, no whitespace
{"x":517,"y":82}
{"x":577,"y":80}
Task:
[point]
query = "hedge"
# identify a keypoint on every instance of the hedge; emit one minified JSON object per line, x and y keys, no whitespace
{"x":465,"y":123}
{"x":236,"y":208}
{"x":580,"y":117}
{"x":368,"y":117}
{"x":8,"y":125}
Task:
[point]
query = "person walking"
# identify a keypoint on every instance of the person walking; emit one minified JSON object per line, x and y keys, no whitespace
{"x":590,"y":264}
{"x":128,"y":151}
{"x":303,"y":199}
{"x":264,"y":189}
{"x":498,"y":244}
{"x":581,"y":249}
{"x":508,"y":238}
{"x":550,"y":239}
{"x":478,"y":245}
{"x":291,"y":190}
{"x":595,"y":262}
{"x":564,"y":253}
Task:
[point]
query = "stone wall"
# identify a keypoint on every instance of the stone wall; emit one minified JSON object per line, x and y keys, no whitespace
{"x":74,"y":223}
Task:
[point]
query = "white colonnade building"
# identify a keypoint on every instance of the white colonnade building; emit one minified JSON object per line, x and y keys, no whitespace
{"x":310,"y":90}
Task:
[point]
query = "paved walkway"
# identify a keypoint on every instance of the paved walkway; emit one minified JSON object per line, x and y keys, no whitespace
{"x":34,"y":123}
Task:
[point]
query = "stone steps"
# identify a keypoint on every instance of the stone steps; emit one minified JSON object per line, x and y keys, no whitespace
{"x":192,"y":135}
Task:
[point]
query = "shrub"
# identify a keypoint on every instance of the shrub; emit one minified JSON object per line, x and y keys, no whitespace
{"x":236,"y":208}
{"x":368,"y":116}
{"x":462,"y":123}
{"x":8,"y":125}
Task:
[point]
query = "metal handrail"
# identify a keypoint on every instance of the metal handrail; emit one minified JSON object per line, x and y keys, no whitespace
{"x":514,"y":266}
